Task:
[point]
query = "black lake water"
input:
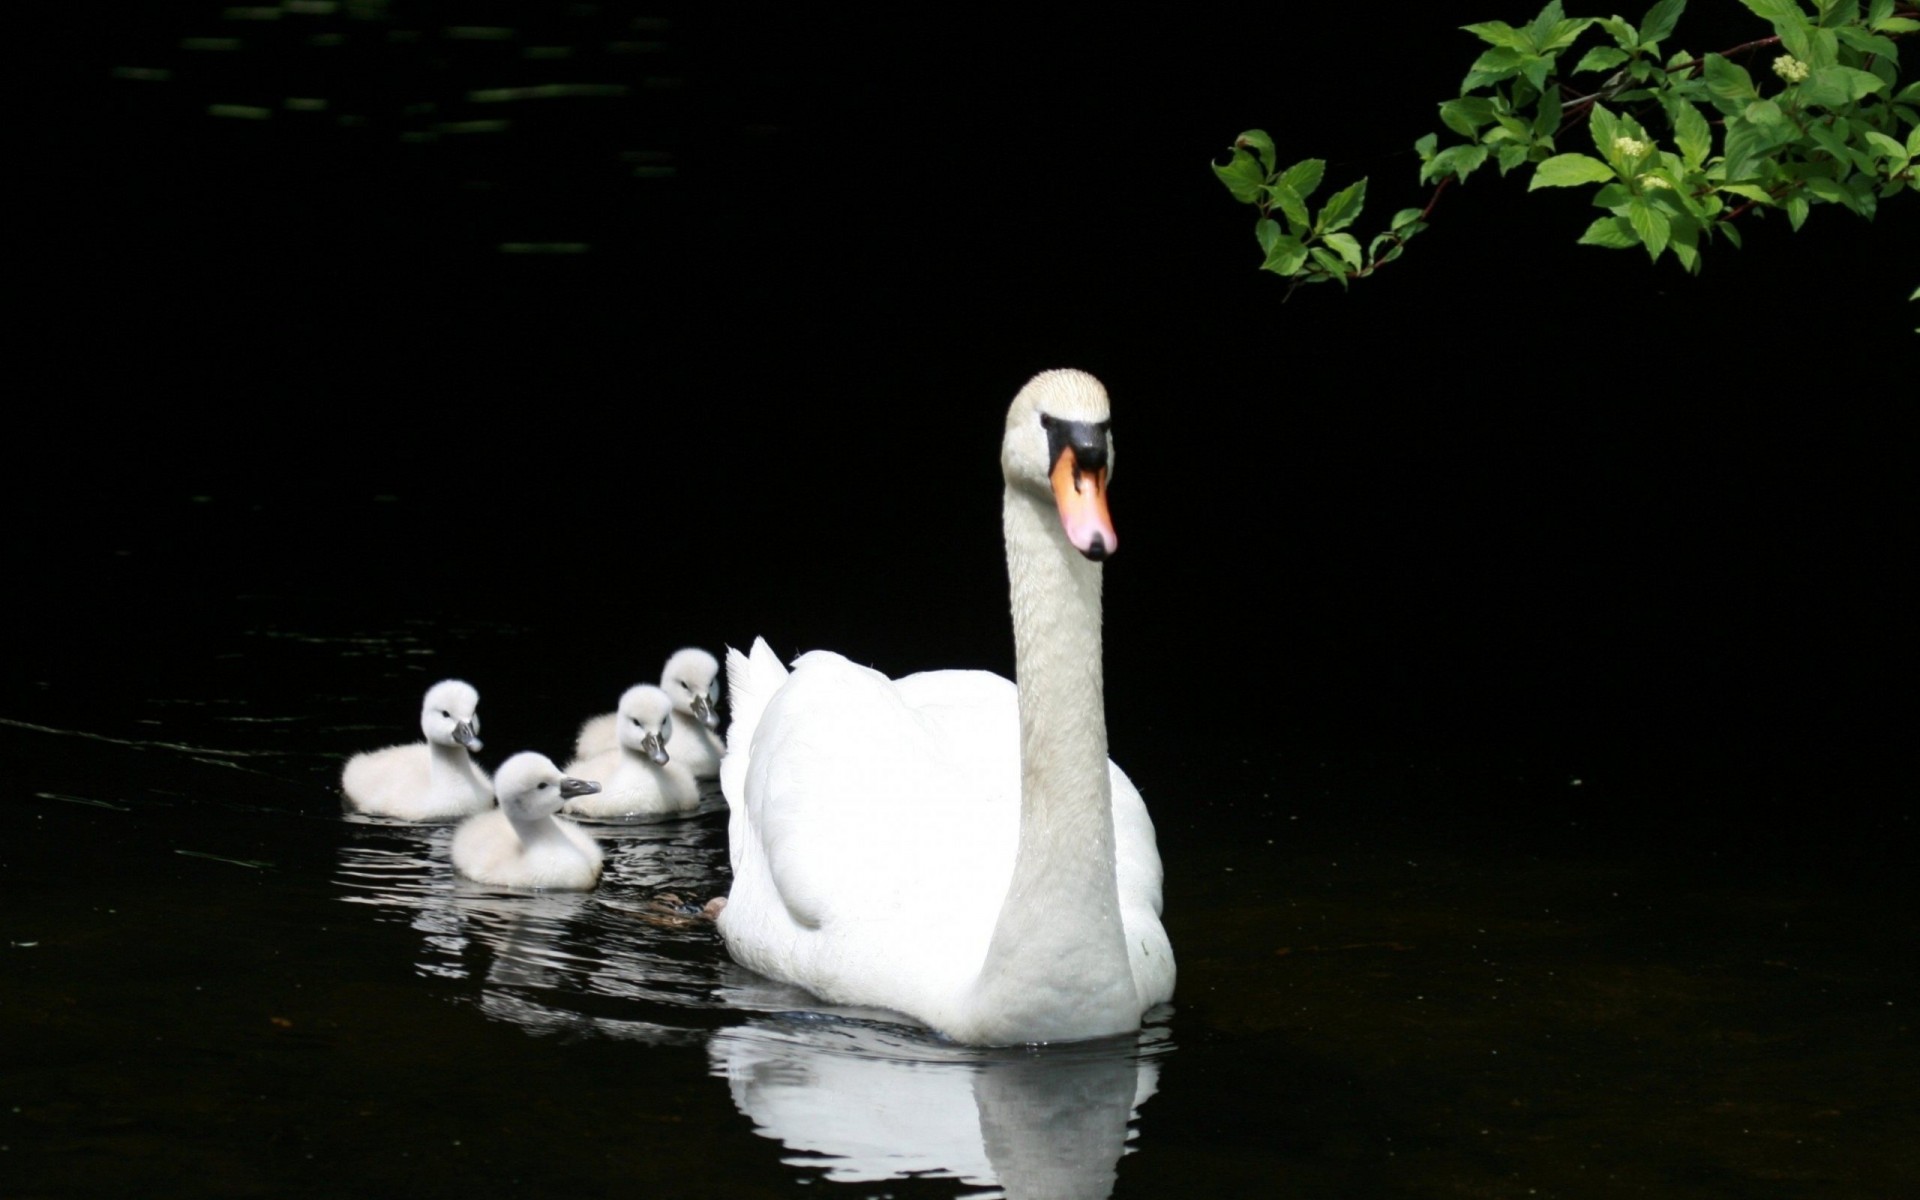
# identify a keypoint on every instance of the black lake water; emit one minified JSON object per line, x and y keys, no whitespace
{"x":1516,"y":727}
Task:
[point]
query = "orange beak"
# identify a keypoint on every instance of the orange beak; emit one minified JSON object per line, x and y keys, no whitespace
{"x":1081,"y":497}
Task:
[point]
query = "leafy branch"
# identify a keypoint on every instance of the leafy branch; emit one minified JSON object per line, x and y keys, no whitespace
{"x":1833,"y":126}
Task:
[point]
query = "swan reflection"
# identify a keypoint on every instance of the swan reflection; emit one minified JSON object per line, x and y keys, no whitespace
{"x":852,"y":1097}
{"x":552,"y":961}
{"x":864,"y":1101}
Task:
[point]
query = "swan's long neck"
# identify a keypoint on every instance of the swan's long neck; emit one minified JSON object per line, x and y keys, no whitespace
{"x":1058,"y":957}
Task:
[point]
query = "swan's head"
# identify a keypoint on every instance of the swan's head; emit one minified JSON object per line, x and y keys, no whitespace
{"x":645,"y":721}
{"x":448,"y":716}
{"x":1058,"y":443}
{"x":692,"y":678}
{"x":530,"y":787}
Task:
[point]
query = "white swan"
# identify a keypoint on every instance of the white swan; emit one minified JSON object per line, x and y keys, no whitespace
{"x":434,"y":780}
{"x":521,"y":843}
{"x":948,"y":845}
{"x":640,"y":777}
{"x":692,"y":678}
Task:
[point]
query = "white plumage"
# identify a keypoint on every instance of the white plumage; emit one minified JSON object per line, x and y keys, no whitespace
{"x":692,"y":678}
{"x":522,"y":843}
{"x":949,"y":845}
{"x":642,"y":776}
{"x":434,"y":780}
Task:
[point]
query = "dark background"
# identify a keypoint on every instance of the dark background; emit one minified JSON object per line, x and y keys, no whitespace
{"x":1516,"y":509}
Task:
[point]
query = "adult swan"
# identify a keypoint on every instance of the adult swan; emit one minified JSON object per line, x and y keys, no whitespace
{"x":949,"y":845}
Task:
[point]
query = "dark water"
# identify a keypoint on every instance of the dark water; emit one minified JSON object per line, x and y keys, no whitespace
{"x":1511,"y":655}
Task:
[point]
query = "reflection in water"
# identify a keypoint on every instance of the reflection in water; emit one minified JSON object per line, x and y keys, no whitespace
{"x":865,"y":1101}
{"x":857,"y":1098}
{"x":551,"y":961}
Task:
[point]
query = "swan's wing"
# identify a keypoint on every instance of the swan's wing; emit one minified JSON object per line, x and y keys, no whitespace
{"x":378,"y":780}
{"x":865,"y":795}
{"x":1138,"y":874}
{"x":597,"y":736}
{"x":597,"y":767}
{"x":1136,"y":853}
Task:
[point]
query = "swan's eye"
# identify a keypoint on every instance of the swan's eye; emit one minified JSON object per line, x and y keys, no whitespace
{"x":446,"y":714}
{"x":543,"y":787}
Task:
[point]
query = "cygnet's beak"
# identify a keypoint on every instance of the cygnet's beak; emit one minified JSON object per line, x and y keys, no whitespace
{"x":464,"y":734}
{"x":705,"y":712}
{"x":656,"y":750}
{"x":571,"y":787}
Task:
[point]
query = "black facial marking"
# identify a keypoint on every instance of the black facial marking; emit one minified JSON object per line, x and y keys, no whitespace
{"x":1087,"y":438}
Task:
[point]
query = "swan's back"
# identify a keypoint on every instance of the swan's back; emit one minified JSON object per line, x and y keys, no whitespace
{"x":874,"y":825}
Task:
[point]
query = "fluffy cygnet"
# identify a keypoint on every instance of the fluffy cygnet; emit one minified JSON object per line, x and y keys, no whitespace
{"x":692,"y":678}
{"x":522,"y":843}
{"x":434,"y":780}
{"x":640,"y":777}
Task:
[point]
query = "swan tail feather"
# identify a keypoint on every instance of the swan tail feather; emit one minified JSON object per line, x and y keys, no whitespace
{"x":752,"y":679}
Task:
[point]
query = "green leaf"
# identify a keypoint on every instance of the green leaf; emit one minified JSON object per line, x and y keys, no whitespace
{"x":1651,"y":224}
{"x":1833,"y":192}
{"x":1745,"y":145}
{"x":1889,"y":148}
{"x":1850,"y":82}
{"x":1551,"y":30}
{"x":1491,"y":67}
{"x":1659,"y":22}
{"x":1834,"y":141}
{"x":1511,"y":155}
{"x":1546,"y":119}
{"x":1692,"y":134}
{"x":1403,"y":218}
{"x":1257,"y":141}
{"x":1622,"y":33}
{"x":1466,"y":115}
{"x":1602,"y":126}
{"x":1765,"y":113}
{"x":1869,"y":43}
{"x":1787,"y":21}
{"x":1600,"y":58}
{"x":1751,"y":191}
{"x":1685,"y":243}
{"x":1243,"y":176}
{"x":1536,"y":70}
{"x":1291,"y":206}
{"x":1304,"y":176}
{"x":1613,"y":197}
{"x":1727,"y":80}
{"x":1348,"y":248}
{"x":1797,"y":206}
{"x":1732,"y":232}
{"x":1461,"y":160}
{"x":1334,"y":267}
{"x":1285,"y":257}
{"x":1342,"y":209}
{"x":1570,"y":170}
{"x":1499,"y":33}
{"x":1615,"y":233}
